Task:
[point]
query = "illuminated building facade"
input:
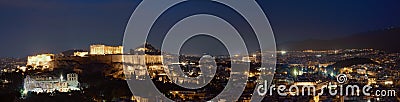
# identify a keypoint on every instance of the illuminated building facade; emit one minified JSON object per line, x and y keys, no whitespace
{"x":48,"y":84}
{"x":81,"y":54}
{"x":143,"y":59}
{"x":136,"y":64}
{"x":41,"y":61}
{"x":104,"y":50}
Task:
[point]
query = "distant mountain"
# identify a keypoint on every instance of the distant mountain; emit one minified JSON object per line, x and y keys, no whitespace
{"x":70,"y":52}
{"x":387,"y":39}
{"x":147,"y":48}
{"x":352,"y":61}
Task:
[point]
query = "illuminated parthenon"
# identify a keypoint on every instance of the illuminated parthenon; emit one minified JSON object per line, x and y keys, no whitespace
{"x":136,"y":64}
{"x":104,"y":50}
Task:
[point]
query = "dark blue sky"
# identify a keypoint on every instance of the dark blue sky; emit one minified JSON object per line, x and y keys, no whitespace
{"x":36,"y":26}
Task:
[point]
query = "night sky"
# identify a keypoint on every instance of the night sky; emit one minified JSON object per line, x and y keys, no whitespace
{"x":37,"y":26}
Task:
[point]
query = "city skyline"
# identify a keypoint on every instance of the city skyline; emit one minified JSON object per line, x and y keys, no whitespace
{"x":199,"y":50}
